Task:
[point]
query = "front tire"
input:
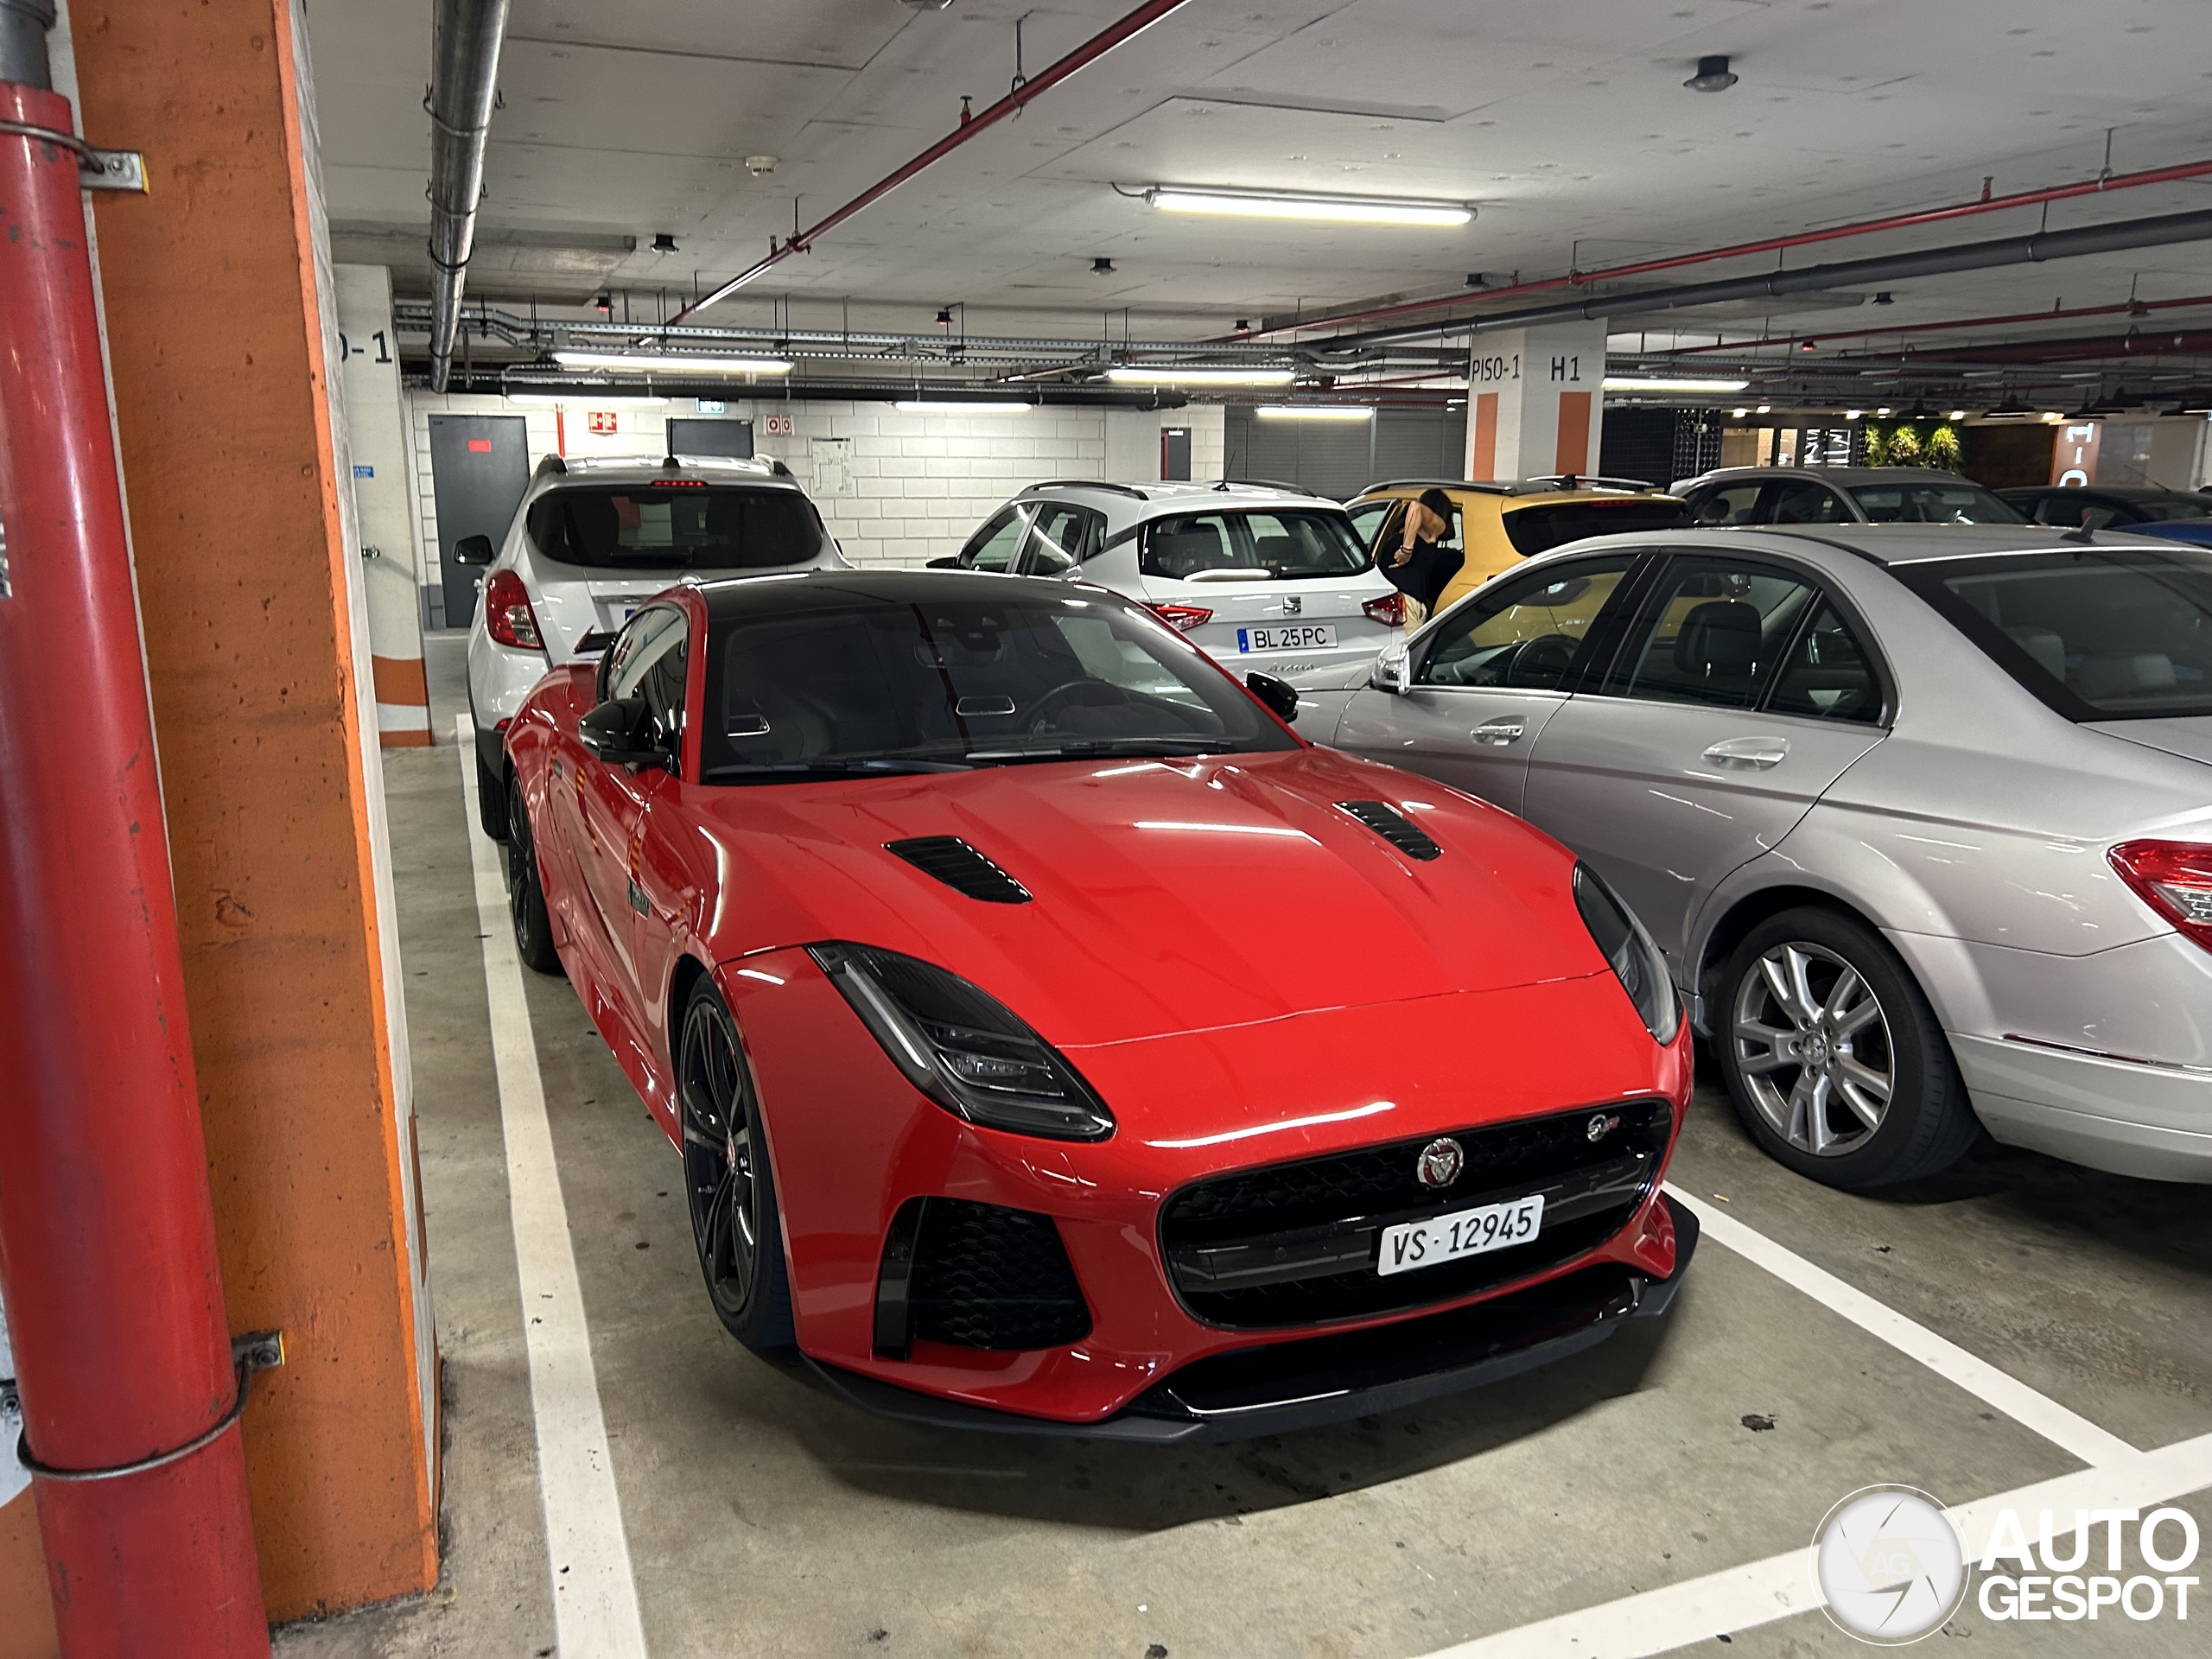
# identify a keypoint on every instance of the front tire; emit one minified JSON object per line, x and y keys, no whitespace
{"x":728,"y":1184}
{"x":1835,"y":1062}
{"x":525,"y":892}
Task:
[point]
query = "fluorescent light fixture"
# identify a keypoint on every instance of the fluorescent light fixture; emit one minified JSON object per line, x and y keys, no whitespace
{"x":657,"y":363}
{"x":1291,"y":204}
{"x":1852,"y":414}
{"x":1884,"y":410}
{"x":585,"y":397}
{"x":953,"y":406}
{"x":1687,"y":383}
{"x":1764,"y":409}
{"x":1200,"y":376}
{"x":1958,"y":414}
{"x":1741,"y":413}
{"x":1314,"y":412}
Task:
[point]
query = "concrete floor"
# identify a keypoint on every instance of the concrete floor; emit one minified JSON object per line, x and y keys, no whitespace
{"x":764,"y":1518}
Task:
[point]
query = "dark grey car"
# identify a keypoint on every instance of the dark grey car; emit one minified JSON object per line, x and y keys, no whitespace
{"x":1922,"y":817}
{"x":1839,"y":495}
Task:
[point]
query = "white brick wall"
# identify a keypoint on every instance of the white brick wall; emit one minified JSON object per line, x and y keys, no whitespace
{"x":919,"y":483}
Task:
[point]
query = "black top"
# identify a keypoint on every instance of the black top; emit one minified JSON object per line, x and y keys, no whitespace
{"x":1426,"y":575}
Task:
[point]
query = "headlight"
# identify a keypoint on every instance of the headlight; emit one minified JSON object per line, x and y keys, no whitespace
{"x":964,"y":1048}
{"x":1636,"y":959}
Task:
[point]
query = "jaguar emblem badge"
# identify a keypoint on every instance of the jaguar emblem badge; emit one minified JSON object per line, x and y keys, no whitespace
{"x":1441,"y":1162}
{"x":1601,"y":1125}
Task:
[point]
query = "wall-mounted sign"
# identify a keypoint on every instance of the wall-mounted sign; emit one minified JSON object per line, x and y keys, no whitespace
{"x":362,"y":469}
{"x":777,"y":426}
{"x":832,"y":463}
{"x":2074,"y":457}
{"x":603,"y":419}
{"x":709,"y":405}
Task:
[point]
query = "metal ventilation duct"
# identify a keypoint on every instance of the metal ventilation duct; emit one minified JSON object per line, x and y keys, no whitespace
{"x":464,"y":87}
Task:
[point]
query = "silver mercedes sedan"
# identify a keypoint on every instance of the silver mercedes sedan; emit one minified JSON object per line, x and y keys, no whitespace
{"x":1920,"y":817}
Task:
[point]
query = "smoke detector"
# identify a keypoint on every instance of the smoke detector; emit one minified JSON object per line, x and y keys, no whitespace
{"x":760,"y":166}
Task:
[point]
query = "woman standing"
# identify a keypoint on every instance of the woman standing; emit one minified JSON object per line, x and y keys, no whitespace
{"x":1419,"y":567}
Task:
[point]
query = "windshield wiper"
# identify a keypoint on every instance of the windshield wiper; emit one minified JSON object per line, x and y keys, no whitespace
{"x":787,"y":771}
{"x":1084,"y":749}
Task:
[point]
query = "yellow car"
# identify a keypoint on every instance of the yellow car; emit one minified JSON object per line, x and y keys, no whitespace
{"x":1497,"y":525}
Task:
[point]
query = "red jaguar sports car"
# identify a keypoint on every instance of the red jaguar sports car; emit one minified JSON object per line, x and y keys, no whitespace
{"x":1055,"y":1041}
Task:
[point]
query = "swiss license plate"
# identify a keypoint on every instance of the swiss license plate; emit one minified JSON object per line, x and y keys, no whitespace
{"x":1465,"y":1232}
{"x":1309,"y":636}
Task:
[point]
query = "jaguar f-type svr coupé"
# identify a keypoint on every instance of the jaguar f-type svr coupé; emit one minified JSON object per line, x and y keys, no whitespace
{"x":1054,"y":1040}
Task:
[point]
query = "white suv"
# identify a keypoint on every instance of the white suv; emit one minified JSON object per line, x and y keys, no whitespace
{"x":1263,"y":576}
{"x":591,"y":542}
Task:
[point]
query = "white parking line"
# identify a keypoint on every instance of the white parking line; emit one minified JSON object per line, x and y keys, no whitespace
{"x":595,"y":1593}
{"x":2061,"y":1428}
{"x":1659,"y":1621}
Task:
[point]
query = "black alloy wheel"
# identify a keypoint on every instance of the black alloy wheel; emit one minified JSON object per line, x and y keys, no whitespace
{"x":526,"y":893}
{"x":1835,"y":1062}
{"x":728,"y":1185}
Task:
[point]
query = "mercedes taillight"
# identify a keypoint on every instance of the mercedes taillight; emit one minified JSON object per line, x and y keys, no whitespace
{"x":2175,"y":879}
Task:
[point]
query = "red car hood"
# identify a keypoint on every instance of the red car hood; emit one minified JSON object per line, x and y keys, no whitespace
{"x":1168,"y":896}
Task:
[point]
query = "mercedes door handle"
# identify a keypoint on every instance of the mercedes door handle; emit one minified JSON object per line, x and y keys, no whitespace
{"x":1496,"y":734}
{"x":1749,"y":753}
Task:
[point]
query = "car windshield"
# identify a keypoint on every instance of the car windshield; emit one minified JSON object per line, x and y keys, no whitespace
{"x":1535,"y":529}
{"x":2100,"y":634}
{"x":1927,"y":503}
{"x":679,"y":525}
{"x":859,"y":682}
{"x":1285,"y":544}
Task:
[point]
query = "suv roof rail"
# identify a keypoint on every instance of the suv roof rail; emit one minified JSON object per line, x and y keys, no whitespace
{"x":550,"y":467}
{"x":1266,"y":484}
{"x":1129,"y":490}
{"x":1585,"y":480}
{"x":1430,"y":483}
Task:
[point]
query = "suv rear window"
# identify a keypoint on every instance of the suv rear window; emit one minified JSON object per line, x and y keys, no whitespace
{"x":2098,"y":633}
{"x":1287,"y":545}
{"x":1534,"y":529}
{"x":678,"y":525}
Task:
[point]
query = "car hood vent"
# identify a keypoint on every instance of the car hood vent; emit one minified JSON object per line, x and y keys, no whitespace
{"x":960,"y":867}
{"x":1394,"y":827}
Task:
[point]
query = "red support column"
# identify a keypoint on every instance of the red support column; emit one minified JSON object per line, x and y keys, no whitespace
{"x":107,"y":1242}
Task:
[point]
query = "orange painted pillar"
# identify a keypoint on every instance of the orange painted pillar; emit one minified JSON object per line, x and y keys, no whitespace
{"x":221,"y":341}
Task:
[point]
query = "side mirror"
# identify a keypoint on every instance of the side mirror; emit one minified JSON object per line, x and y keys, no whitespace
{"x":1390,"y":670}
{"x":474,"y":550}
{"x":623,"y":733}
{"x":1280,"y":696}
{"x":951,"y":563}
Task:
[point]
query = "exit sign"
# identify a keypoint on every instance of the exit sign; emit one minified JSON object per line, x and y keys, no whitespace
{"x":603,"y":419}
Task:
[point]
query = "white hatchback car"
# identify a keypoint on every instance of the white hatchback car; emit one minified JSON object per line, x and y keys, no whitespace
{"x":591,"y":542}
{"x":1261,"y":576}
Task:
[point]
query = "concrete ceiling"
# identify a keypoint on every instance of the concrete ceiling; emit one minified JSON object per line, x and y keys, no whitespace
{"x":1565,"y":120}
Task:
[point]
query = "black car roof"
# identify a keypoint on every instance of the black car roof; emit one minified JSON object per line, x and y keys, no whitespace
{"x":767,"y":595}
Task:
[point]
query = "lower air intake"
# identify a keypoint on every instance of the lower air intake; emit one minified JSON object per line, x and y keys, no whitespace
{"x":977,"y":1275}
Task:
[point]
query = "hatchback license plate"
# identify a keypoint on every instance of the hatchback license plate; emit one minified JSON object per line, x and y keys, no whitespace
{"x":1465,"y":1232}
{"x":1312,"y":636}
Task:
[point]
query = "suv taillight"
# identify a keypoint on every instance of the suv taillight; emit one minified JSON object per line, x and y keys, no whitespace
{"x":507,"y":616}
{"x":2175,"y":879}
{"x":1389,"y":610}
{"x":1182,"y":617}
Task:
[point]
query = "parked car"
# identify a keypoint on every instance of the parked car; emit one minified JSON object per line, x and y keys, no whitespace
{"x":1839,"y":495}
{"x":1922,"y":818}
{"x":1497,"y":525}
{"x":590,"y":542}
{"x":1262,"y":576}
{"x":2138,"y":509}
{"x":940,"y":921}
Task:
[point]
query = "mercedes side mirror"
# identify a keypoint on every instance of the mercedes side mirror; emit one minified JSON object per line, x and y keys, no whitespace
{"x":1390,"y":670}
{"x":474,"y":550}
{"x":623,"y":733}
{"x":1280,"y":696}
{"x":950,"y":563}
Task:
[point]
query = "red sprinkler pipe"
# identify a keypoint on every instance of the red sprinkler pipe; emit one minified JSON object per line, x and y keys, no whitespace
{"x":1795,"y":239}
{"x":1090,"y":51}
{"x":107,"y":1240}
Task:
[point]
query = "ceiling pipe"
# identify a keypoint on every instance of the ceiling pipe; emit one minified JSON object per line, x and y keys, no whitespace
{"x":2115,"y":237}
{"x":464,"y":90}
{"x":1740,"y":249}
{"x":1091,"y":51}
{"x":2129,"y":307}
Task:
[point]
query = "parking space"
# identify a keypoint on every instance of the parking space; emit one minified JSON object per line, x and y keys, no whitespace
{"x":1898,"y":1340}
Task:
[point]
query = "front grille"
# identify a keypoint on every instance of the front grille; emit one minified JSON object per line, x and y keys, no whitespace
{"x":1296,"y":1243}
{"x":1394,"y":827}
{"x":961,"y":868}
{"x":977,"y":1275}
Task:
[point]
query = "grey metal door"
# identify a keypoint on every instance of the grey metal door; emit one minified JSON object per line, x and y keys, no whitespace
{"x":1174,"y":452}
{"x":479,"y":466}
{"x":1683,"y":767}
{"x":710,"y":437}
